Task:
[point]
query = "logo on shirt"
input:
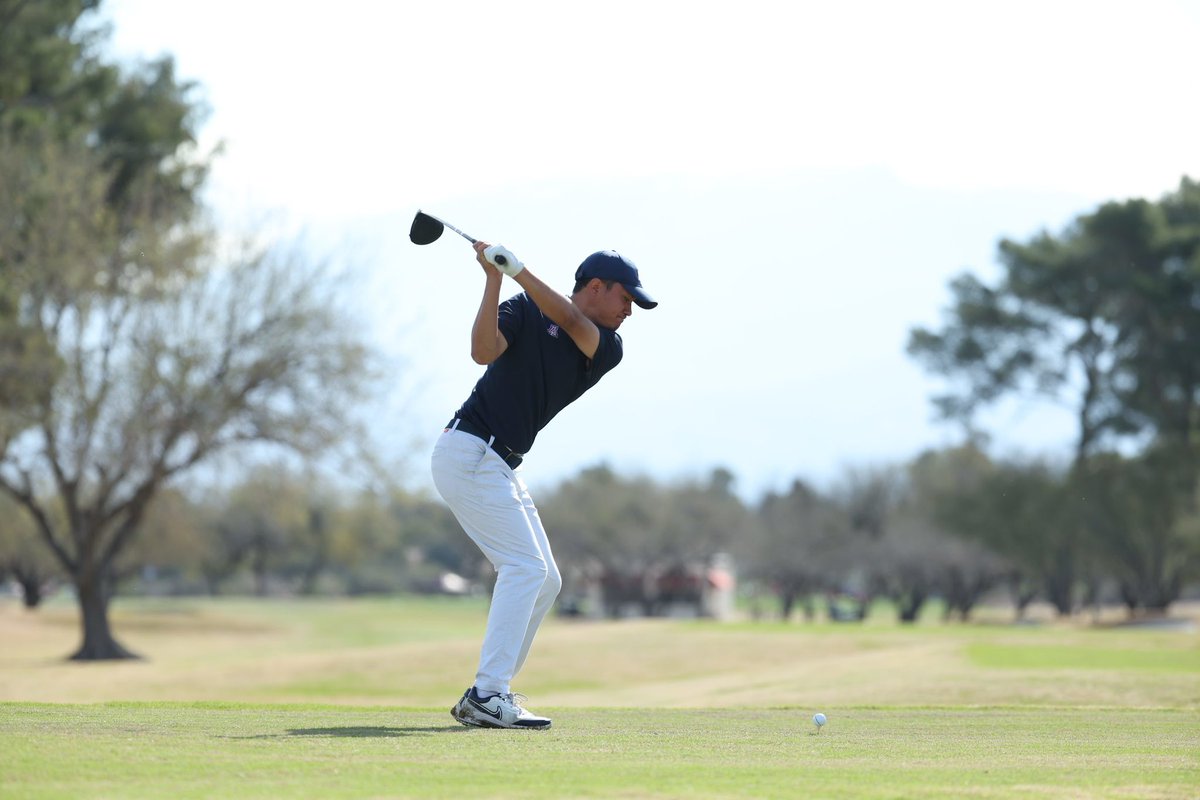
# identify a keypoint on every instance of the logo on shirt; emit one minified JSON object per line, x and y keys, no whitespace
{"x":553,"y":330}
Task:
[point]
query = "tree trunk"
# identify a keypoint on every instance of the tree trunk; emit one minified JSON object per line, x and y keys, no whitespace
{"x":787,"y":601}
{"x":308,"y":579}
{"x":1060,"y":582}
{"x":31,"y":592}
{"x":258,"y":566}
{"x":31,"y":586}
{"x":212,"y":583}
{"x":312,"y":570}
{"x":98,"y":641}
{"x":1022,"y":591}
{"x":910,"y":603}
{"x":1163,"y":591}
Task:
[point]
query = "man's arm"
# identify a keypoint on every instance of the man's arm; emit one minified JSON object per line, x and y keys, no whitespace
{"x":557,"y":307}
{"x":487,"y":343}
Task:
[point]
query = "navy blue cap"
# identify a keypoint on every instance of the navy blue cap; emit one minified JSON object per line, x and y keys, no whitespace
{"x":608,"y":265}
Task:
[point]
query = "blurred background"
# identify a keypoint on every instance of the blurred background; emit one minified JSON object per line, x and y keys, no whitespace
{"x":929,"y":280}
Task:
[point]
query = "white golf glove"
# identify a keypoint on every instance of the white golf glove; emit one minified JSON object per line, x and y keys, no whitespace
{"x":500,"y":258}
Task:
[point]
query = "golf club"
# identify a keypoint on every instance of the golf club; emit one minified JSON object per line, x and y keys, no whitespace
{"x":427,"y":228}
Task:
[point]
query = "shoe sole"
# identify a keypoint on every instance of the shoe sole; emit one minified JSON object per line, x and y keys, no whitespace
{"x":467,"y":720}
{"x":473,"y":722}
{"x":466,"y":723}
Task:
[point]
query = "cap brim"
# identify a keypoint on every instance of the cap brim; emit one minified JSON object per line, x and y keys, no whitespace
{"x":640,"y":297}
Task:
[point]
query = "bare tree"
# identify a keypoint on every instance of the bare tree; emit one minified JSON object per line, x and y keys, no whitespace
{"x":167,"y":361}
{"x":23,"y":557}
{"x":251,"y":354}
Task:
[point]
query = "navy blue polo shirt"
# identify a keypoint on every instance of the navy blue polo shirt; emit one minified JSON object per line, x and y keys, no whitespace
{"x":540,"y":373}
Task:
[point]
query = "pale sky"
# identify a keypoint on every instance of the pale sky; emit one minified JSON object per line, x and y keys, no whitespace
{"x":796,"y":181}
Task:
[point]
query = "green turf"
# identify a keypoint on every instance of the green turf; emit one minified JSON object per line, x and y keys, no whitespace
{"x":175,"y":750}
{"x":1057,"y":657}
{"x":334,"y":698}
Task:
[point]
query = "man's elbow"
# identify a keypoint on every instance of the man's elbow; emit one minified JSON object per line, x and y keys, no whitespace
{"x":484,"y":351}
{"x":484,"y":355}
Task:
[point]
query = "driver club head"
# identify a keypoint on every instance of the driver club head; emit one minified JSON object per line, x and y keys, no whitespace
{"x":425,"y":229}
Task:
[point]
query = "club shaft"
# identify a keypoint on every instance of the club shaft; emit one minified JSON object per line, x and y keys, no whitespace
{"x":456,"y":230}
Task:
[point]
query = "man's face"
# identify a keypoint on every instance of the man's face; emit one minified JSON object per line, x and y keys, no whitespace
{"x":615,"y":305}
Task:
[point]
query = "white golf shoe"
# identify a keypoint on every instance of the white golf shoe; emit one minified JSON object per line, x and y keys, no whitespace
{"x":497,"y":711}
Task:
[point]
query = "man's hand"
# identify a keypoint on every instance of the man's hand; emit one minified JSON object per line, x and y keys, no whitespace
{"x":489,"y":268}
{"x":495,"y":257}
{"x":504,"y":260}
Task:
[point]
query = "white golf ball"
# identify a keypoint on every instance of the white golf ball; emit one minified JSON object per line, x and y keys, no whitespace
{"x":819,"y":719}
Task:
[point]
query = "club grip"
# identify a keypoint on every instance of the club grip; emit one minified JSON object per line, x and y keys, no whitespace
{"x":502,"y":259}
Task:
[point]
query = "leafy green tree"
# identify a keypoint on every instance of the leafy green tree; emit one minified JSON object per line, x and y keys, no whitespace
{"x":1103,"y":314}
{"x":293,"y":531}
{"x":892,"y":546}
{"x":1159,"y":317}
{"x":966,"y":567}
{"x":55,"y":86}
{"x":900,"y":541}
{"x":261,"y":521}
{"x":50,"y":67}
{"x":797,"y":548}
{"x":367,"y":548}
{"x":704,"y":517}
{"x":90,"y":155}
{"x":1021,"y":512}
{"x":1102,"y":317}
{"x":167,"y":359}
{"x":28,"y":364}
{"x":282,"y":520}
{"x":166,"y":555}
{"x":603,"y":530}
{"x":600,"y":515}
{"x":426,"y":543}
{"x":625,"y":533}
{"x":1149,"y":542}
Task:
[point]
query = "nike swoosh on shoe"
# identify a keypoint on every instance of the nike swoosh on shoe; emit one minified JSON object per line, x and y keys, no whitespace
{"x":496,"y":715}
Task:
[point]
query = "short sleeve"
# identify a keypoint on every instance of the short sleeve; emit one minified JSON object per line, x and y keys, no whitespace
{"x":609,"y":351}
{"x":509,"y":317}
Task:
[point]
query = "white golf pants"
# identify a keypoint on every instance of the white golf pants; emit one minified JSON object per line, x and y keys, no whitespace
{"x":493,"y":506}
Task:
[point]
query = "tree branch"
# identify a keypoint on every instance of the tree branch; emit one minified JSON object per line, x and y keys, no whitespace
{"x":24,"y":496}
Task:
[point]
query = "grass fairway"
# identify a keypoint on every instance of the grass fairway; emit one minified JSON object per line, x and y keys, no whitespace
{"x":213,"y":750}
{"x":350,"y":699}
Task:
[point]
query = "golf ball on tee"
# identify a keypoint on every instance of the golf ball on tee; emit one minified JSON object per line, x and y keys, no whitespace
{"x":819,"y":719}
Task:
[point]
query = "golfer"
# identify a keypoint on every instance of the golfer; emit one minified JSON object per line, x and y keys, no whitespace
{"x":542,"y":350}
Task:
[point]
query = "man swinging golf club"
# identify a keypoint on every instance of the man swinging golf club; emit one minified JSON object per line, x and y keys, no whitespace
{"x":542,"y":351}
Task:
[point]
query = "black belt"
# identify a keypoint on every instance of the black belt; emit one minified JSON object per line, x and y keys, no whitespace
{"x":510,"y":456}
